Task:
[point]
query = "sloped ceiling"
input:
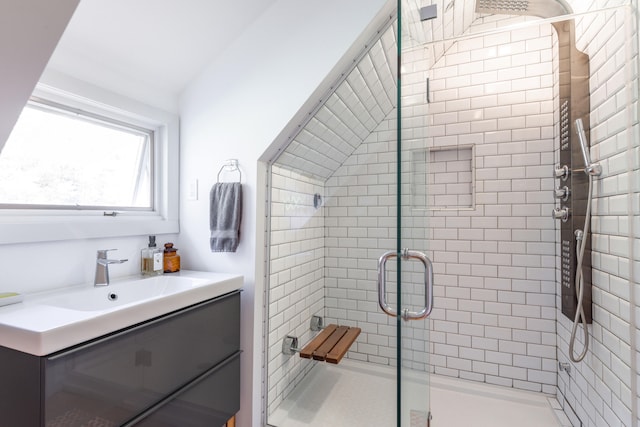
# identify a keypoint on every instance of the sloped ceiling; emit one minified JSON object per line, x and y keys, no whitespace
{"x":368,"y":92}
{"x":143,"y":48}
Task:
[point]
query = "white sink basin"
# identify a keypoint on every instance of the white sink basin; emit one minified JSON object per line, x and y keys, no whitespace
{"x":123,"y":293}
{"x":45,"y":323}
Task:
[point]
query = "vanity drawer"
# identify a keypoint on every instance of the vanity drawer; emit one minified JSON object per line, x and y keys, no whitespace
{"x":113,"y":379}
{"x":209,"y":401}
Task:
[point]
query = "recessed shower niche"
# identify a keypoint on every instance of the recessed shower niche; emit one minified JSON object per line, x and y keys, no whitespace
{"x":443,"y":178}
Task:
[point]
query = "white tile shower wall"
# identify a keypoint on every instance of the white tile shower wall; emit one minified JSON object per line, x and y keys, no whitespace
{"x":495,"y":263}
{"x":360,"y":221}
{"x":496,"y":315}
{"x":600,"y":388}
{"x":296,"y":275}
{"x":495,"y":287}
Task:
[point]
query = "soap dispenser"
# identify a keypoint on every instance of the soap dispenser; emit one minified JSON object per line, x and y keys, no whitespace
{"x":152,"y":259}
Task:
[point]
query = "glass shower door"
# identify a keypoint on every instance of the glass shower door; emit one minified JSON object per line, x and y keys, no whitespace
{"x":339,"y":199}
{"x":414,"y":271}
{"x":414,"y":295}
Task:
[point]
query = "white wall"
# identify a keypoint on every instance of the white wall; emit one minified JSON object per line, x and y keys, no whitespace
{"x":36,"y":267}
{"x":235,"y":109}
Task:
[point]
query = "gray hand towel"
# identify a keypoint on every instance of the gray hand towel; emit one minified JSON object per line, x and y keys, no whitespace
{"x":226,"y":213}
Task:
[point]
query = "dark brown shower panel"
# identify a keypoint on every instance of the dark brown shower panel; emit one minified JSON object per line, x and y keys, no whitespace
{"x":574,"y":104}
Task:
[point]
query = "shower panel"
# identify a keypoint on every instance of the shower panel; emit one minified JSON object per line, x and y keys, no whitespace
{"x":574,"y":105}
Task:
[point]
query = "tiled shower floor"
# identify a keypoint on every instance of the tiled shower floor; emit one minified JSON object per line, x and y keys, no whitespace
{"x":353,"y":394}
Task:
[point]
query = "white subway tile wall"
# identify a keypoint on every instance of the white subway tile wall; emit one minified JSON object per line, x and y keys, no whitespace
{"x":296,"y":275}
{"x":496,"y":318}
{"x":599,"y":389}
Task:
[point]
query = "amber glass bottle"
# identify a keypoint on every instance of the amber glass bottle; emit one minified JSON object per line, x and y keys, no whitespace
{"x":171,"y":259}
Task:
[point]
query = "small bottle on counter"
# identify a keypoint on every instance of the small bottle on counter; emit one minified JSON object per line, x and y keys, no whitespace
{"x":171,"y":259}
{"x":152,"y":259}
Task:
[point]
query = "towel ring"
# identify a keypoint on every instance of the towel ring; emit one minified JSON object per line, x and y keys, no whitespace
{"x":231,"y":165}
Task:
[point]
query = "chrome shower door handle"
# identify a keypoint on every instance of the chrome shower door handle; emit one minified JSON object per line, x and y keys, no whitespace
{"x":382,"y":283}
{"x":425,"y":311}
{"x":428,"y":286}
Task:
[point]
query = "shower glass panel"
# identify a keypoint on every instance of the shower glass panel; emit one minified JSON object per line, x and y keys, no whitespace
{"x":414,"y":283}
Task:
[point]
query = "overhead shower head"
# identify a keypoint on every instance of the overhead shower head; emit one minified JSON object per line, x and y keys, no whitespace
{"x":539,"y":8}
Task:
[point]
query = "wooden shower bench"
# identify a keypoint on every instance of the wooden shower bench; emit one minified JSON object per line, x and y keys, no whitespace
{"x":331,"y":344}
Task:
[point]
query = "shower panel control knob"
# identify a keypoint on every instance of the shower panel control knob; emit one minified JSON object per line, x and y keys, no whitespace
{"x":561,"y":172}
{"x":561,"y":213}
{"x":562,"y":193}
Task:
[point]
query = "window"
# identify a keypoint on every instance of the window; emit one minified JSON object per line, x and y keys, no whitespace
{"x":61,"y":158}
{"x":83,"y":162}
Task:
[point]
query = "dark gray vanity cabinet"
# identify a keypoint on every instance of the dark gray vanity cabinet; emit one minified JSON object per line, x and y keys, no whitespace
{"x":179,"y":370}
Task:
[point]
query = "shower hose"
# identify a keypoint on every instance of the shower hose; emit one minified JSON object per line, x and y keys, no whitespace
{"x":581,"y":242}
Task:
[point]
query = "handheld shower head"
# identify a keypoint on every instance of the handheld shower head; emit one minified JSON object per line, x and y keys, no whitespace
{"x":593,"y":169}
{"x":582,"y":138}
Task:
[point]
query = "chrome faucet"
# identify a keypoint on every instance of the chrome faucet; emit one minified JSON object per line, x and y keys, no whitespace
{"x":102,"y":267}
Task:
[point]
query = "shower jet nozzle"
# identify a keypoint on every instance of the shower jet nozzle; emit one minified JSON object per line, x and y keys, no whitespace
{"x":593,"y":169}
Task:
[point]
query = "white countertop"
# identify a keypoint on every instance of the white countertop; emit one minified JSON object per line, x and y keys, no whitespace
{"x":47,"y":322}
